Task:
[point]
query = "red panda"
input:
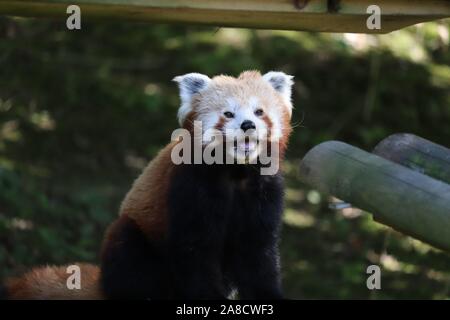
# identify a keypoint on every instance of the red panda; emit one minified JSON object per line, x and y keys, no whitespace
{"x":197,"y":230}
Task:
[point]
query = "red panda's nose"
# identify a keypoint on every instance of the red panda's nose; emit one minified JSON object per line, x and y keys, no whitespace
{"x":247,"y":125}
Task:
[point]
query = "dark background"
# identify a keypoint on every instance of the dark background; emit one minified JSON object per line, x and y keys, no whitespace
{"x":82,"y":112}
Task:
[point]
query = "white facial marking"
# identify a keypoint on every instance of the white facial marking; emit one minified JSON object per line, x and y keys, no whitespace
{"x":253,"y":102}
{"x":232,"y":104}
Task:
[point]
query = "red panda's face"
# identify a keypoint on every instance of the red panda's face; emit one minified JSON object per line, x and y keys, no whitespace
{"x":249,"y":111}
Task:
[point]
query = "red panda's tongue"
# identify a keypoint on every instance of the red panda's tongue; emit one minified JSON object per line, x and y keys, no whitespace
{"x":246,"y":145}
{"x":249,"y":145}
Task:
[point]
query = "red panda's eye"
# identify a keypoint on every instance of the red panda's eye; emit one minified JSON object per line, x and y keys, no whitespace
{"x":228,"y":114}
{"x":259,"y":112}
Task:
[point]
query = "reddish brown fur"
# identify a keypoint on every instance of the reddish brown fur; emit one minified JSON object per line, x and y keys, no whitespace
{"x":269,"y":124}
{"x":287,"y":129}
{"x":188,"y":123}
{"x":146,"y":202}
{"x":49,"y":283}
{"x":220,"y":124}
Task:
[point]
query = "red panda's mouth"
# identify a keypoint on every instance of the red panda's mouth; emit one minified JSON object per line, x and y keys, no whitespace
{"x":246,"y":145}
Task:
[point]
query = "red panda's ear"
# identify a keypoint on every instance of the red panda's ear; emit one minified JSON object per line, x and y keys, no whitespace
{"x":282,"y":83}
{"x":189,"y":84}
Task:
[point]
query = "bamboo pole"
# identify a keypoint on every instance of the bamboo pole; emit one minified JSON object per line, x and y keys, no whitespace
{"x":312,"y":15}
{"x":406,"y":200}
{"x":416,"y":153}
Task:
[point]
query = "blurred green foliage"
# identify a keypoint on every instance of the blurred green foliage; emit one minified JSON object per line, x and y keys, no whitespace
{"x":82,"y":112}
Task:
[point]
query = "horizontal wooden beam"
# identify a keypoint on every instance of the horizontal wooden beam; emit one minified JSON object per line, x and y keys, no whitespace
{"x":312,"y":15}
{"x":417,"y":154}
{"x":403,"y":199}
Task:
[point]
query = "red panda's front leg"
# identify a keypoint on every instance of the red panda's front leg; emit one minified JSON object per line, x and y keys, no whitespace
{"x":253,"y":257}
{"x":197,"y":215}
{"x":257,"y":273}
{"x":196,"y":272}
